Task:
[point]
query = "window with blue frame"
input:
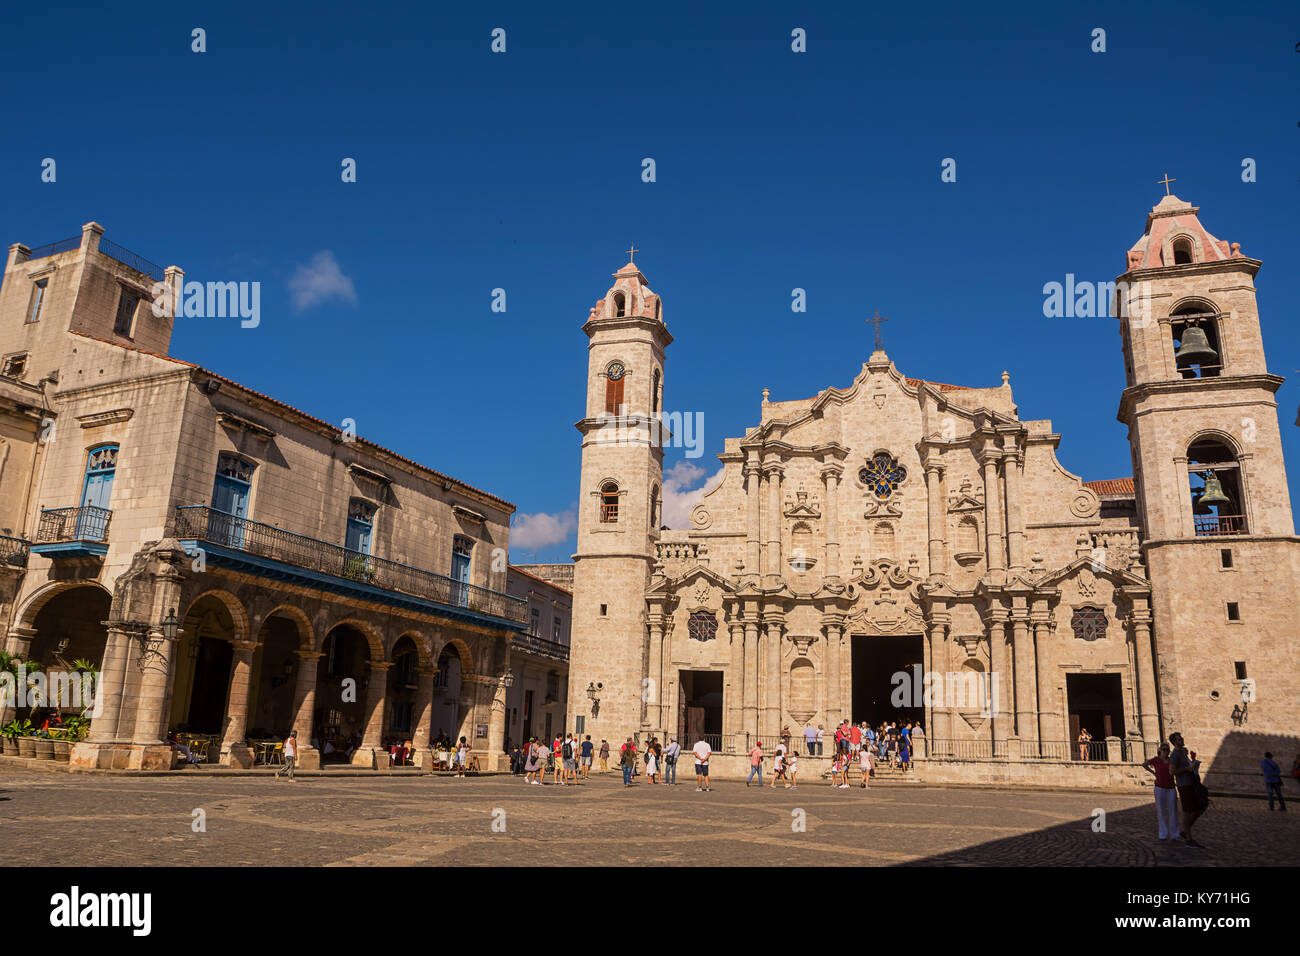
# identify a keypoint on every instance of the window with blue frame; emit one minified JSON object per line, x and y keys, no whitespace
{"x":97,"y":493}
{"x":361,"y":523}
{"x":230,"y":499}
{"x":462,"y":550}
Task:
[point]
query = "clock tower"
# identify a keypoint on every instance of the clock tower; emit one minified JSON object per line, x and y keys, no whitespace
{"x":619,"y":509}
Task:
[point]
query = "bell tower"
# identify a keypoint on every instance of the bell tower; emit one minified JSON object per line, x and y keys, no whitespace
{"x":619,"y":508}
{"x":1212,"y":492}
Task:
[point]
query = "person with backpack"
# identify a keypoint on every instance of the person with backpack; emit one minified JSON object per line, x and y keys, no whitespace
{"x":533,"y":762}
{"x":570,"y":761}
{"x":673,"y":751}
{"x":627,"y":759}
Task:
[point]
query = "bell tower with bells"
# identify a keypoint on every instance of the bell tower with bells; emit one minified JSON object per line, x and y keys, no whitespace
{"x":1211,"y":488}
{"x":620,"y":502}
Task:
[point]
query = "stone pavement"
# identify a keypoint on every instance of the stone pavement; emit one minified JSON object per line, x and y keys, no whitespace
{"x":81,"y":820}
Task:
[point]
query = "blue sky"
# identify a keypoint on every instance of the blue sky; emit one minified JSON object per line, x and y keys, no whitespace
{"x":775,"y":170}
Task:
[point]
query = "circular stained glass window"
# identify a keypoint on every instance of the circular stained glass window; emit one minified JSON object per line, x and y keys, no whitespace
{"x":882,"y":475}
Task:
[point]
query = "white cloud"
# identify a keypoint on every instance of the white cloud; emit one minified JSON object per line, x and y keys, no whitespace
{"x":321,"y":280}
{"x":683,"y":490}
{"x":541,"y":530}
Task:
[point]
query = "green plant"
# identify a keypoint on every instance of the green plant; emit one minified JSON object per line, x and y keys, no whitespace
{"x":76,"y":728}
{"x":358,"y":568}
{"x":83,"y":666}
{"x":17,"y":728}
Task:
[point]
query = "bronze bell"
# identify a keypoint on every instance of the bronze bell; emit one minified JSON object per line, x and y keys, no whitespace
{"x":1213,"y":493}
{"x":1195,"y":348}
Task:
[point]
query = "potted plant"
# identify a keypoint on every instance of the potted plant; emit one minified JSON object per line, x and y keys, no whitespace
{"x":26,"y":744}
{"x":43,"y":745}
{"x":11,"y":732}
{"x":357,"y":567}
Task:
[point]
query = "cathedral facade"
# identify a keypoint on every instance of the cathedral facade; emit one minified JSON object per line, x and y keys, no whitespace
{"x":906,"y":550}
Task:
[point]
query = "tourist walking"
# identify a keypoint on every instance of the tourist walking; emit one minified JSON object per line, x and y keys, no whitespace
{"x":673,"y":751}
{"x":864,"y":764}
{"x":756,"y":763}
{"x":651,"y":761}
{"x":604,"y":755}
{"x":792,"y":769}
{"x":1192,"y":795}
{"x":702,"y":752}
{"x":1272,"y":780}
{"x":532,"y":762}
{"x":778,"y":765}
{"x":588,"y":748}
{"x":1166,"y":795}
{"x":557,"y":759}
{"x":627,"y":758}
{"x":569,"y":757}
{"x":291,"y":755}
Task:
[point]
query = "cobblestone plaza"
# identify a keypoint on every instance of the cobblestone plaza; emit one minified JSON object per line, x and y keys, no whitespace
{"x":391,"y":820}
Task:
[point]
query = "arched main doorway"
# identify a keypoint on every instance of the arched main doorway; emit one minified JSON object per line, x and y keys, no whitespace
{"x":403,"y":684}
{"x":342,"y":679}
{"x":275,"y":678}
{"x":203,"y":667}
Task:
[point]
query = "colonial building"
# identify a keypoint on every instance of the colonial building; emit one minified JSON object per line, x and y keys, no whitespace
{"x":901,"y":526}
{"x":236,"y":567}
{"x":537,"y":696}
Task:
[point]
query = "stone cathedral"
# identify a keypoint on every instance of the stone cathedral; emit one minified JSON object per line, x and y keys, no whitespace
{"x":901,"y":549}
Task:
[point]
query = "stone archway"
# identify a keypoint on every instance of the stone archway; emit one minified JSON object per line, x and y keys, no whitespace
{"x":455,"y":663}
{"x":65,"y":635}
{"x":276,"y":665}
{"x":210,"y":629}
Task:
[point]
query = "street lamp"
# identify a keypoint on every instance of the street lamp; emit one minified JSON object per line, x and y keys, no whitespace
{"x":509,"y":678}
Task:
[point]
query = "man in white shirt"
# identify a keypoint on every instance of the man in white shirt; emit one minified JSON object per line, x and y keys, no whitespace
{"x":702,"y":752}
{"x":290,"y":754}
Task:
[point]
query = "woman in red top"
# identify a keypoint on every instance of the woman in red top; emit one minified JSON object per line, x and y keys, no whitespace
{"x":1166,"y":795}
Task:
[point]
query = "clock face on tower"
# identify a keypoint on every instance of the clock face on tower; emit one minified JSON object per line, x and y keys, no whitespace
{"x":615,"y":371}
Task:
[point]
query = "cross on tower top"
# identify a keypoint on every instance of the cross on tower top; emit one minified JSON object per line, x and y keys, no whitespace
{"x":632,"y":252}
{"x":1166,"y":182}
{"x":880,"y":342}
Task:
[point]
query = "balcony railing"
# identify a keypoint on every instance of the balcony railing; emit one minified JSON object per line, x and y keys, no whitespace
{"x":532,"y":644}
{"x":87,"y":523}
{"x":13,"y":552}
{"x":1215,"y":525}
{"x":200,"y":523}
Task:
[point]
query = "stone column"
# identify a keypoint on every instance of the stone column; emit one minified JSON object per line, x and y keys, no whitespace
{"x":735,"y":690}
{"x":371,"y":752}
{"x":751,"y":675}
{"x":772,"y":643}
{"x":496,"y":725}
{"x":992,"y":517}
{"x":753,"y":519}
{"x":1148,"y":707}
{"x":846,"y":675}
{"x":654,"y":666}
{"x":424,"y":707}
{"x":1026,"y":678}
{"x":149,"y":747}
{"x":772,"y":567}
{"x":831,"y":478}
{"x":112,"y":680}
{"x":936,"y":516}
{"x":1000,"y":685}
{"x":234,"y":752}
{"x":939,"y":727}
{"x":1015,"y":518}
{"x":304,"y":709}
{"x":1049,"y":720}
{"x":830,"y":669}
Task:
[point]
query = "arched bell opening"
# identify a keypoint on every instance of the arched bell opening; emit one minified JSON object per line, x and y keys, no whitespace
{"x":1215,"y":485}
{"x":1195,"y":331}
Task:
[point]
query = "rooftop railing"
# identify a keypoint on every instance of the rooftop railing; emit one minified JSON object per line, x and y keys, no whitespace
{"x":1215,"y":525}
{"x":127,"y":257}
{"x":201,"y":523}
{"x":532,"y":644}
{"x":53,"y":248}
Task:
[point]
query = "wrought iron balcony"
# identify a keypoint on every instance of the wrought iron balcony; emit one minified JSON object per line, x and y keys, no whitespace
{"x":73,"y":531}
{"x":202,"y":524}
{"x":1215,"y":525}
{"x":532,"y":644}
{"x":13,"y":552}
